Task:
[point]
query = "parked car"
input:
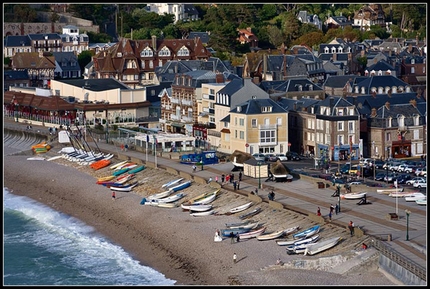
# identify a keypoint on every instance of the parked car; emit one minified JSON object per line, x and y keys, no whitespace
{"x":355,"y":170}
{"x":282,"y":157}
{"x":380,"y":176}
{"x":259,"y":157}
{"x":420,"y":184}
{"x":379,"y":164}
{"x":390,"y":177}
{"x":270,"y":157}
{"x":409,"y":169}
{"x":345,"y":168}
{"x":293,"y":156}
{"x":418,"y":171}
{"x":413,"y":180}
{"x":402,"y":178}
{"x":394,"y":166}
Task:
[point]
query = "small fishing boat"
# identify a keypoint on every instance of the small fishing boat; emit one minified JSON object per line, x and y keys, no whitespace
{"x":196,"y":208}
{"x":205,"y":213}
{"x":105,"y":179}
{"x":171,"y":183}
{"x":241,"y":208}
{"x":180,"y":186}
{"x":136,"y":169}
{"x":250,"y":226}
{"x":200,"y":197}
{"x":54,"y":158}
{"x":286,"y":242}
{"x":353,"y":196}
{"x":170,"y":199}
{"x":114,"y":166}
{"x":127,"y":188}
{"x":235,"y":225}
{"x":308,"y":232}
{"x":301,"y":245}
{"x":159,"y":195}
{"x":250,"y":214}
{"x":415,"y":196}
{"x":206,"y":200}
{"x":234,"y":232}
{"x":320,"y":246}
{"x":401,"y":194}
{"x":271,"y":236}
{"x":291,"y":230}
{"x":252,"y":234}
{"x":120,"y":172}
{"x":36,"y":159}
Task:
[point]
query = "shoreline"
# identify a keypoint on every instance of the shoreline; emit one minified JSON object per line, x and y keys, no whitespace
{"x":185,"y":252}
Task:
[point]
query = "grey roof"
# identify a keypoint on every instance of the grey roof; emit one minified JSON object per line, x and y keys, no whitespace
{"x":15,"y":74}
{"x":51,"y":36}
{"x":292,"y":85}
{"x":381,"y":80}
{"x":405,"y":109}
{"x":267,"y":85}
{"x":18,"y":40}
{"x":68,"y":58}
{"x":253,"y":106}
{"x":297,"y":105}
{"x":339,"y":80}
{"x":96,"y":84}
{"x":231,"y":87}
{"x":190,"y":9}
{"x":381,"y":65}
{"x":204,"y":36}
{"x":335,"y":101}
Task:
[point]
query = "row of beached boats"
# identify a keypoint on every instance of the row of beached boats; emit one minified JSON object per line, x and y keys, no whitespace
{"x":417,"y":197}
{"x":122,"y":173}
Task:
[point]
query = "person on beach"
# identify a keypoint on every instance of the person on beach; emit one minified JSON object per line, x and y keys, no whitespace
{"x":329,"y":215}
{"x":319,"y":212}
{"x":363,"y":246}
{"x":256,"y":191}
{"x":113,"y":195}
{"x":238,"y":184}
{"x":210,"y":180}
{"x":234,"y":258}
{"x":237,"y":237}
{"x":235,"y":185}
{"x":227,"y":178}
{"x":351,"y":227}
{"x":216,"y":179}
{"x":194,"y":168}
{"x":231,"y":238}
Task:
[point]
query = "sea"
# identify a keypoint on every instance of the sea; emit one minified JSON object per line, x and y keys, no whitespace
{"x":42,"y":246}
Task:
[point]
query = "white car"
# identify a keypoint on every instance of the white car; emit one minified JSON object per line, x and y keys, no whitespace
{"x":414,"y":180}
{"x":418,"y":171}
{"x":420,"y":184}
{"x":281,"y":157}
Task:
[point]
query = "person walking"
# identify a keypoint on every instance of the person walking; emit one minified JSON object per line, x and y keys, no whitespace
{"x":238,"y":184}
{"x":227,"y":178}
{"x":256,"y":191}
{"x":237,"y":237}
{"x":231,"y":178}
{"x":336,"y":209}
{"x":210,"y":180}
{"x":194,"y":168}
{"x":235,"y":185}
{"x":351,"y":227}
{"x":234,"y":258}
{"x":113,"y":195}
{"x":222,"y":178}
{"x":231,"y":238}
{"x":330,"y":214}
{"x":331,"y":211}
{"x":216,"y":179}
{"x":319,"y":212}
{"x":240,"y":176}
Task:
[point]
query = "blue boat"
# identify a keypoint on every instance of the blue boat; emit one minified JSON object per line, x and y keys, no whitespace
{"x":180,"y":186}
{"x":307,"y":233}
{"x":227,"y":232}
{"x":203,"y":158}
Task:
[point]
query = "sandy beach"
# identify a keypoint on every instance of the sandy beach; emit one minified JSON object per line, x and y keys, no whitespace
{"x":173,"y":242}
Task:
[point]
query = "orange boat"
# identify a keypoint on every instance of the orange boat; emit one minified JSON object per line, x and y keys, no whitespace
{"x":100,"y":164}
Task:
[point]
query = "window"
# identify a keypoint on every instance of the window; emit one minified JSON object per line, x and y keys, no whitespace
{"x":416,"y":120}
{"x":242,"y":135}
{"x":351,"y":111}
{"x":401,"y":120}
{"x":389,"y":121}
{"x":211,"y":91}
{"x":241,"y":122}
{"x":340,"y":125}
{"x":183,"y":51}
{"x":279,"y":121}
{"x":416,"y":134}
{"x":164,"y":51}
{"x":388,"y":136}
{"x":254,"y":122}
{"x":340,"y":111}
{"x":340,"y":139}
{"x":266,"y":109}
{"x":350,"y":126}
{"x":267,"y":136}
{"x":147,"y":52}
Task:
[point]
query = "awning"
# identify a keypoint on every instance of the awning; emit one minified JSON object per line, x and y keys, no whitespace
{"x":177,"y":124}
{"x":225,"y":130}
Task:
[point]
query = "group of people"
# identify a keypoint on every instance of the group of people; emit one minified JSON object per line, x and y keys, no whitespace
{"x":271,"y":196}
{"x":332,"y":209}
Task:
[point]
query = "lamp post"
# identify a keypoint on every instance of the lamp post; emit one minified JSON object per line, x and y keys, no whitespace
{"x":374,"y":163}
{"x":338,"y":201}
{"x":407,"y":224}
{"x":259,"y":175}
{"x":15,"y":103}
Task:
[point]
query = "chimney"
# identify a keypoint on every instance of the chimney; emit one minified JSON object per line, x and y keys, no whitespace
{"x":373,"y":114}
{"x":387,"y":105}
{"x":219,"y":78}
{"x":413,"y":102}
{"x":334,"y":56}
{"x":154,"y":42}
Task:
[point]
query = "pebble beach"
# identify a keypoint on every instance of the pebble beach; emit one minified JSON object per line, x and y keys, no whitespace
{"x":171,"y":241}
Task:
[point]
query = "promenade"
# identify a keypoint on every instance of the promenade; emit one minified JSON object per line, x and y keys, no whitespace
{"x":304,"y":196}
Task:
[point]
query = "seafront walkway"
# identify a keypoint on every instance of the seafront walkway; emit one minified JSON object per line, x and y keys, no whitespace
{"x":304,"y":196}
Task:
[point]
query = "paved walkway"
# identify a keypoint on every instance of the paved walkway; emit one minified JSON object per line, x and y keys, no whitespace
{"x":305,"y":196}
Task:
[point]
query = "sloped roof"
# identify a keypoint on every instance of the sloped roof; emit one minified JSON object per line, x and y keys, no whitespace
{"x":254,"y":106}
{"x":101,"y":84}
{"x":32,"y":60}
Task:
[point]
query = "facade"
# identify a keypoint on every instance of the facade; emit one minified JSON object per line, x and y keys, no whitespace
{"x":40,"y":67}
{"x":369,"y":15}
{"x":258,"y":126}
{"x":66,"y":65}
{"x":181,"y":12}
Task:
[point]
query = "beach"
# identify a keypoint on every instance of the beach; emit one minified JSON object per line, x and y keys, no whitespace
{"x":170,"y":240}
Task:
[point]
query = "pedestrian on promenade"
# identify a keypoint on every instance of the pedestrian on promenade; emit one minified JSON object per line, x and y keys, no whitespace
{"x":240,"y":176}
{"x":237,"y":237}
{"x":222,"y":178}
{"x":231,"y":178}
{"x":231,"y":238}
{"x":329,"y":215}
{"x":238,"y":184}
{"x":351,"y":227}
{"x":227,"y":178}
{"x":210,"y":180}
{"x":319,"y":212}
{"x":235,"y":185}
{"x":234,"y":258}
{"x":113,"y":195}
{"x":336,"y":209}
{"x":216,"y":179}
{"x":256,"y":191}
{"x":331,"y":209}
{"x":194,"y":168}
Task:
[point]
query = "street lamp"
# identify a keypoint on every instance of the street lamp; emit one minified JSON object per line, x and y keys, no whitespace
{"x":373,"y":152}
{"x":407,"y":224}
{"x":338,"y":202}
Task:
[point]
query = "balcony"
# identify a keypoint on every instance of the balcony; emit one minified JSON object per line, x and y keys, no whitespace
{"x":187,"y":102}
{"x":209,"y":96}
{"x":187,"y":119}
{"x":175,"y":117}
{"x":175,"y":100}
{"x":267,"y":126}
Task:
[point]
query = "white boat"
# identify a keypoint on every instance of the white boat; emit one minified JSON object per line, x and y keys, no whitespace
{"x":199,"y":197}
{"x":196,"y":208}
{"x":282,"y":178}
{"x":308,"y":232}
{"x":207,"y":200}
{"x":199,"y":214}
{"x":124,"y":189}
{"x":241,"y":208}
{"x":164,"y":205}
{"x":401,"y":194}
{"x":422,"y":202}
{"x":291,"y":230}
{"x":229,"y":225}
{"x":286,"y":242}
{"x":236,"y":164}
{"x":159,"y":195}
{"x":300,"y":245}
{"x":353,"y":196}
{"x":54,"y":158}
{"x":250,"y":226}
{"x":36,"y":159}
{"x":170,"y":199}
{"x":123,"y":179}
{"x":270,"y":236}
{"x":321,"y":246}
{"x":389,"y":190}
{"x":252,"y":233}
{"x":181,"y":186}
{"x":171,"y":183}
{"x":415,"y":196}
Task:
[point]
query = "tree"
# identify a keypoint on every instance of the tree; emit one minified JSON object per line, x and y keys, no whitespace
{"x":55,"y":17}
{"x":275,"y":35}
{"x":84,"y":58}
{"x":290,"y":27}
{"x":99,"y":37}
{"x":24,"y":13}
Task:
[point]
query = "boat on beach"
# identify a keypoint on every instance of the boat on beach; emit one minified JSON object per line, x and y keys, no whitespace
{"x":250,"y":214}
{"x":234,"y":232}
{"x":415,"y":196}
{"x":387,"y":191}
{"x":206,"y":200}
{"x":171,"y":183}
{"x":170,"y":199}
{"x":114,"y":166}
{"x":180,"y":186}
{"x":236,"y":225}
{"x":127,"y":188}
{"x":198,"y":198}
{"x":320,"y":246}
{"x":271,"y":236}
{"x":401,"y":194}
{"x":252,"y":234}
{"x":136,"y":169}
{"x":250,"y":225}
{"x":308,"y":232}
{"x":300,"y":246}
{"x":205,"y":213}
{"x":159,"y":195}
{"x":196,"y":208}
{"x":291,"y":230}
{"x":240,"y":208}
{"x":353,"y":196}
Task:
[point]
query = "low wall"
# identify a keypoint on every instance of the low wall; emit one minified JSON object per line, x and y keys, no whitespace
{"x":255,"y":198}
{"x":276,"y":205}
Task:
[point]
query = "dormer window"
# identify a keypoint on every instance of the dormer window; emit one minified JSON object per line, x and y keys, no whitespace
{"x":326,"y":50}
{"x":183,"y":51}
{"x":147,"y":52}
{"x":119,"y":54}
{"x":333,"y":50}
{"x":266,"y":109}
{"x":164,"y":51}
